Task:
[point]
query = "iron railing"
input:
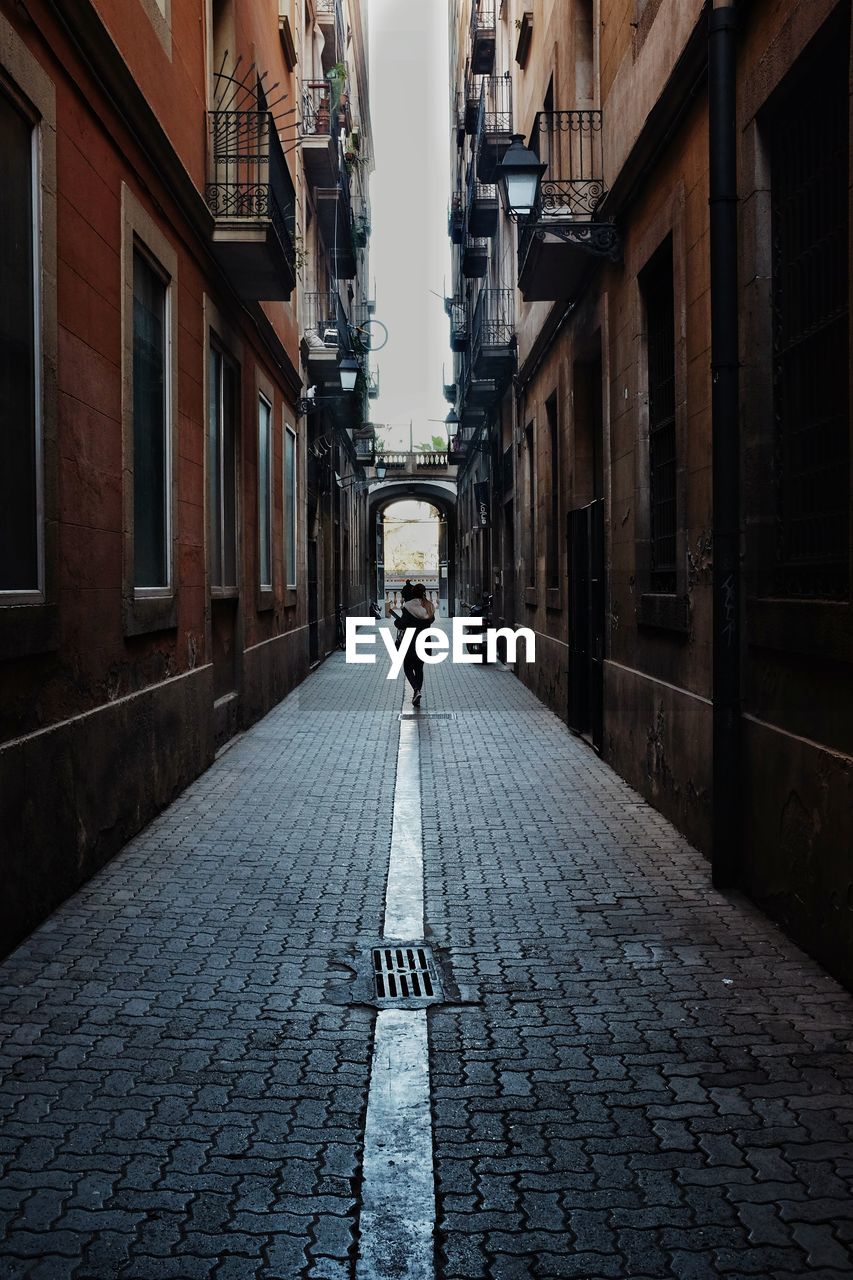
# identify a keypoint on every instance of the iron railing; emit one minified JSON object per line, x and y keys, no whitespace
{"x":458,"y":325}
{"x":318,"y":118}
{"x":249,"y":178}
{"x":319,"y":317}
{"x":572,"y":187}
{"x":495,"y":105}
{"x":365,"y":448}
{"x":482,"y":18}
{"x":569,"y":143}
{"x":456,"y":217}
{"x":494,"y":320}
{"x":372,"y":384}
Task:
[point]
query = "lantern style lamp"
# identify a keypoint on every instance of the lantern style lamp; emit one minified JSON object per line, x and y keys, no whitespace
{"x":349,"y":368}
{"x":381,"y":470}
{"x":519,"y":175}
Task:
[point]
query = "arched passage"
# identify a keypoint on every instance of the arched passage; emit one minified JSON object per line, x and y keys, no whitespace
{"x":439,"y":494}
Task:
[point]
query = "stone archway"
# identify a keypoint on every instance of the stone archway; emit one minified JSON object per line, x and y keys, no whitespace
{"x":440,"y":494}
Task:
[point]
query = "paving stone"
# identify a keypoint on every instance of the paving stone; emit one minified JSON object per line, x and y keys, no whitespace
{"x":648,"y":1079}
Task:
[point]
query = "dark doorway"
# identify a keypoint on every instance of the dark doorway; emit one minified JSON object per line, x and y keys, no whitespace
{"x":313,"y":628}
{"x":586,"y":621}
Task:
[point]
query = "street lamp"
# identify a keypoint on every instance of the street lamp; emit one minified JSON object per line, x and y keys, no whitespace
{"x":519,"y":175}
{"x":349,"y":369}
{"x":381,"y":470}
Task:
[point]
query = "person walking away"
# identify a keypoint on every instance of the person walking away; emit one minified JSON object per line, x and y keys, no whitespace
{"x":417,"y":613}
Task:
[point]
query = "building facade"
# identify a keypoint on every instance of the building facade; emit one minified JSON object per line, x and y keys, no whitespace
{"x":587,"y":386}
{"x":179,"y":528}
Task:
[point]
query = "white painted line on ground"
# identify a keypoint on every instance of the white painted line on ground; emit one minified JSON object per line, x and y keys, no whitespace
{"x":404,"y":895}
{"x":397,"y":1219}
{"x":398,"y":1192}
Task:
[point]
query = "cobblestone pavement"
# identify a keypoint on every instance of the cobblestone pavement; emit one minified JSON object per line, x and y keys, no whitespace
{"x":633,"y":1076}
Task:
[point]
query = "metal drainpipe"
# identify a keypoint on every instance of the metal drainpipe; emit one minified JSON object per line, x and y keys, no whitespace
{"x":725,"y":446}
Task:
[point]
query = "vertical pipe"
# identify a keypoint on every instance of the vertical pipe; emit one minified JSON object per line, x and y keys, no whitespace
{"x":725,"y":448}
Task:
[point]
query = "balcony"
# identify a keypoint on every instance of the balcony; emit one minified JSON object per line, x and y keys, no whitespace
{"x":373,"y":384}
{"x":459,"y":331}
{"x":459,"y":118}
{"x":319,"y":135}
{"x":250,"y":194}
{"x":473,"y":93}
{"x":362,"y":312}
{"x":456,"y":218}
{"x":417,"y":463}
{"x":475,"y":257}
{"x":330,"y":20}
{"x":483,"y":36}
{"x":562,"y":238}
{"x":321,"y":335}
{"x":334,"y":215}
{"x":365,"y":446}
{"x":483,"y":209}
{"x":493,"y":335}
{"x":494,"y":125}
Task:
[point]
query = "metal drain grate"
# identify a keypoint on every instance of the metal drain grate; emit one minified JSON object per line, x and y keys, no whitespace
{"x":405,"y":973}
{"x":427,"y":715}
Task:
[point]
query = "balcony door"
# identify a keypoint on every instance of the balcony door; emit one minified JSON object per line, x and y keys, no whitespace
{"x":586,"y":621}
{"x":222,"y":540}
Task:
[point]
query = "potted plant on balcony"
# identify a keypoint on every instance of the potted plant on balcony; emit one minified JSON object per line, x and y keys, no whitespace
{"x":323,"y":115}
{"x":337,"y":78}
{"x":360,"y":230}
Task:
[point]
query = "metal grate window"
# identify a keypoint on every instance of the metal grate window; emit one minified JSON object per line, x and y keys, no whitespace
{"x":809,"y":174}
{"x":660,"y":352}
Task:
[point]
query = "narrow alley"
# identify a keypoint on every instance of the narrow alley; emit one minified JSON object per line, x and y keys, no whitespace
{"x":629,"y":1074}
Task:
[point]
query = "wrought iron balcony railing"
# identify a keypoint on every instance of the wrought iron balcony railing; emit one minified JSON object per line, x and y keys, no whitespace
{"x":459,"y":331}
{"x":569,"y":143}
{"x":318,"y":119}
{"x":496,"y":104}
{"x":475,"y":257}
{"x":456,"y":218}
{"x":563,"y":228}
{"x":319,"y":318}
{"x":373,"y":384}
{"x":493,"y":131}
{"x":249,"y":188}
{"x":482,"y":36}
{"x":494,"y":320}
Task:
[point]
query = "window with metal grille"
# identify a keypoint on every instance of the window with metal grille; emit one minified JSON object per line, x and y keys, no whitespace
{"x":657,"y":289}
{"x":808,"y":140}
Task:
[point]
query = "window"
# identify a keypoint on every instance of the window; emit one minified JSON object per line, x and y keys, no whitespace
{"x":531,"y":507}
{"x":290,"y":506}
{"x":657,"y":287}
{"x":20,"y":409}
{"x":264,"y":493}
{"x":553,"y":548}
{"x":809,"y":201}
{"x":222,"y":467}
{"x":151,"y":427}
